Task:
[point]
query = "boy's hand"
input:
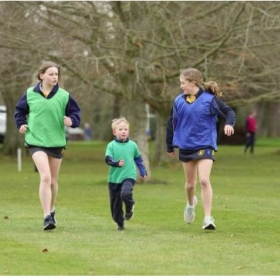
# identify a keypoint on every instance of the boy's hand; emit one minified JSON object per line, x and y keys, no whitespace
{"x":143,"y":178}
{"x":23,"y":129}
{"x":121,"y":162}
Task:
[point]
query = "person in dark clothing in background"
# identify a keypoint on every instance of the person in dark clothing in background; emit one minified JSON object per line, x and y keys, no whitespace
{"x":251,"y":128}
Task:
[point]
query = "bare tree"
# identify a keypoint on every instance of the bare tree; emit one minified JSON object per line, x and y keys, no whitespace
{"x":132,"y":52}
{"x":16,"y":67}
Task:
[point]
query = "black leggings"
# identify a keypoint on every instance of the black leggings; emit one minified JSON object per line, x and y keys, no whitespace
{"x":250,"y":142}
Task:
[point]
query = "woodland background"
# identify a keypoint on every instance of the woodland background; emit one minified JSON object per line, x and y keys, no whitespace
{"x":123,"y":58}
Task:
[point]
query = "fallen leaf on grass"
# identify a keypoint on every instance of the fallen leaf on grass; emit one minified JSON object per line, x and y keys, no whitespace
{"x":45,"y":250}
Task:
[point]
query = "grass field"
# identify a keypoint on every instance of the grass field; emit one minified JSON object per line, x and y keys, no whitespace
{"x":156,"y":241}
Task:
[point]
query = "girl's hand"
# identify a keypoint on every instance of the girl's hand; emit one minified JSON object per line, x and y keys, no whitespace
{"x":23,"y":129}
{"x":229,"y":130}
{"x":67,"y":121}
{"x":171,"y":154}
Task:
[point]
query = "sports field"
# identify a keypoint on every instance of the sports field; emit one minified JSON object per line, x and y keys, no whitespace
{"x":156,"y":241}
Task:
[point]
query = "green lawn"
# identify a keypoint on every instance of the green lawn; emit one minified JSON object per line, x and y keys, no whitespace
{"x":156,"y":241}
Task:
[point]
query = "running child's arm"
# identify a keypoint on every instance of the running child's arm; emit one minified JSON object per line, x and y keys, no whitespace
{"x":223,"y":110}
{"x":21,"y":111}
{"x":110,"y":161}
{"x":139,"y":162}
{"x":73,"y":111}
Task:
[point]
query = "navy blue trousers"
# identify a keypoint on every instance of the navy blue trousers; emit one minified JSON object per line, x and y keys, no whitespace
{"x":121,"y":194}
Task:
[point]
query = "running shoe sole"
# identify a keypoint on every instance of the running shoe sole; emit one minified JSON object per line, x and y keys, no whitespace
{"x":49,"y":226}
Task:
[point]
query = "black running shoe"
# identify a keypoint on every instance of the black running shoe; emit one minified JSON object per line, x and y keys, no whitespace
{"x":48,"y":223}
{"x":129,"y":212}
{"x":120,"y":227}
{"x":53,"y":216}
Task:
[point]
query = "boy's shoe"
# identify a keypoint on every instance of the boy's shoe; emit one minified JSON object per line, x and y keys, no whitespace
{"x":120,"y":227}
{"x":48,"y":223}
{"x":53,"y":217}
{"x":129,"y":212}
{"x":208,"y":223}
{"x":189,"y":213}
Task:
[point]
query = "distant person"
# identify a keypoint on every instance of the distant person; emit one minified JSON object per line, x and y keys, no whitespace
{"x":192,"y":129}
{"x":251,"y":128}
{"x":41,"y":114}
{"x":88,"y":132}
{"x":122,"y":155}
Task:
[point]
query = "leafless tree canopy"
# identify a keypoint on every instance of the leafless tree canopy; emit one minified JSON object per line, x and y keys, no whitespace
{"x":118,"y":56}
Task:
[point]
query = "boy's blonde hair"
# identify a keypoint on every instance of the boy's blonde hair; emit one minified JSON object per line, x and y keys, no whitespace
{"x":116,"y":122}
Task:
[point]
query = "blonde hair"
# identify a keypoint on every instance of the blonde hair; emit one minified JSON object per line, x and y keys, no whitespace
{"x":194,"y":75}
{"x":116,"y":122}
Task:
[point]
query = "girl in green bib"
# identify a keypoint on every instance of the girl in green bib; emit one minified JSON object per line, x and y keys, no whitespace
{"x":41,"y":114}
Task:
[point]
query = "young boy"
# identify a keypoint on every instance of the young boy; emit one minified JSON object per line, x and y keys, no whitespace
{"x":122,"y":155}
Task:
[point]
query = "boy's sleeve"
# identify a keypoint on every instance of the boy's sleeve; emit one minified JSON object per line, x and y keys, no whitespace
{"x":139,"y":162}
{"x":109,"y":159}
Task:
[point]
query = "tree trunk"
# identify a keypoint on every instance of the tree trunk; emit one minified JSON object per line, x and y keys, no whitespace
{"x":13,"y":140}
{"x":134,"y":111}
{"x":268,"y":119}
{"x":160,"y":155}
{"x":15,"y":82}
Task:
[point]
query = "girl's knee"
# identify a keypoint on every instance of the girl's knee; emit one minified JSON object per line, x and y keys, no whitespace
{"x":204,"y":182}
{"x":190,"y":185}
{"x":46,"y":178}
{"x":53,"y":182}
